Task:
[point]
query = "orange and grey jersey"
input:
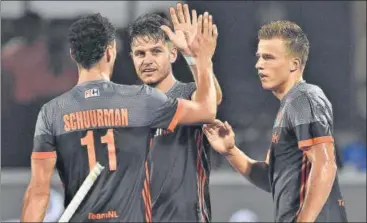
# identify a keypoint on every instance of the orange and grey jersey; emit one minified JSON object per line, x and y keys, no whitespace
{"x":100,"y":121}
{"x":305,"y":118}
{"x":180,"y":169}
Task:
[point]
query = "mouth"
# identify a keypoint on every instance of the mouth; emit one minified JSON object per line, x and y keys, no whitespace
{"x":262,"y":76}
{"x":149,"y":71}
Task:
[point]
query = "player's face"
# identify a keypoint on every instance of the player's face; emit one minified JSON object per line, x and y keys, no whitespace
{"x":152,"y":59}
{"x":274,"y":63}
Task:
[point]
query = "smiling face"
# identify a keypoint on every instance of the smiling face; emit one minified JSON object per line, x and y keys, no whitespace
{"x":274,"y":63}
{"x":152,"y":59}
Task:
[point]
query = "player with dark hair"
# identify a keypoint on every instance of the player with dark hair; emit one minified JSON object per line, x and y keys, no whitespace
{"x":180,"y":160}
{"x":100,"y":121}
{"x":300,"y":169}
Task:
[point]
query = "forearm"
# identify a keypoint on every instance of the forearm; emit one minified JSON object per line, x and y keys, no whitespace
{"x":205,"y":92}
{"x":218,"y":90}
{"x":318,"y":188}
{"x":254,"y":171}
{"x":34,"y":205}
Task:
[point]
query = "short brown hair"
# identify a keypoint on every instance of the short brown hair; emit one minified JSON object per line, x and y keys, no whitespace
{"x":291,"y":33}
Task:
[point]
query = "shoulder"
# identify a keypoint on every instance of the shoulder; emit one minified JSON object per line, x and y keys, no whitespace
{"x":182,"y":90}
{"x":308,"y":104}
{"x":309,"y":95}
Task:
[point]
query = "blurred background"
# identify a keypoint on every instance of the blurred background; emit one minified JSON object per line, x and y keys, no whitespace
{"x":36,"y":67}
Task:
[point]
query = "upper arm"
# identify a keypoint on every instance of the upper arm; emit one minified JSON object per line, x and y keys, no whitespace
{"x":321,"y":153}
{"x":44,"y":140}
{"x":311,"y":121}
{"x":43,"y":158}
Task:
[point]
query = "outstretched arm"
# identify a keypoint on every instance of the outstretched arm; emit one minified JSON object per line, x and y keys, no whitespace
{"x":185,"y":30}
{"x":222,"y":138}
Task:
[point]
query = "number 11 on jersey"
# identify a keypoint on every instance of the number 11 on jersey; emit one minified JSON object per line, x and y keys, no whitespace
{"x":109,"y":139}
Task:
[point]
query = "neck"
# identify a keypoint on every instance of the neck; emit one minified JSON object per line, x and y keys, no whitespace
{"x":166,"y":84}
{"x":284,"y":88}
{"x":92,"y":74}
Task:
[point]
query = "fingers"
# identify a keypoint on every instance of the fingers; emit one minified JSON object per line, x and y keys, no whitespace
{"x":200,"y":24}
{"x":168,"y":31}
{"x":180,"y":13}
{"x":215,"y":31}
{"x":206,"y":131}
{"x":228,"y":126}
{"x":205,"y":24}
{"x":218,"y":122}
{"x":194,"y":17}
{"x":173,"y":15}
{"x":187,"y":13}
{"x":210,"y":25}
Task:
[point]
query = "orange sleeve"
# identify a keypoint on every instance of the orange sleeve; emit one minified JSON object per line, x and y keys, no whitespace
{"x":314,"y":141}
{"x":172,"y":125}
{"x":43,"y":155}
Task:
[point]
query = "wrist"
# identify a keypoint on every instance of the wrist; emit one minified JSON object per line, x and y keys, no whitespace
{"x":230,"y":151}
{"x":190,"y":60}
{"x":204,"y":62}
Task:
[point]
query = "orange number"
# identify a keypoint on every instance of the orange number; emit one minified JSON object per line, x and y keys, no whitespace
{"x":109,"y":139}
{"x":88,"y":141}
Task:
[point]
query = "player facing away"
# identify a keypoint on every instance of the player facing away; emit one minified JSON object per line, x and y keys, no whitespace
{"x":100,"y":121}
{"x":179,"y":160}
{"x":300,"y":169}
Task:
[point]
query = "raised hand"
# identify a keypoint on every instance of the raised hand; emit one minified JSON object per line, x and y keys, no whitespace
{"x":220,"y":136}
{"x":185,"y":29}
{"x":205,"y":40}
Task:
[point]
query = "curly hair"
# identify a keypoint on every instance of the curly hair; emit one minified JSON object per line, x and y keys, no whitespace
{"x":148,"y":25}
{"x":291,"y":33}
{"x":89,"y":37}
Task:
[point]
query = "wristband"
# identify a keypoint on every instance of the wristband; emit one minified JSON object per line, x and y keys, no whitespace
{"x":190,"y":60}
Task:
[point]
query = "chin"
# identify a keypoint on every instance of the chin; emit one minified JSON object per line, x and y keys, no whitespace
{"x":267,"y":86}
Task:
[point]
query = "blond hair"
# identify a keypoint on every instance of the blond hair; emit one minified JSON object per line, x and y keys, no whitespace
{"x":294,"y":37}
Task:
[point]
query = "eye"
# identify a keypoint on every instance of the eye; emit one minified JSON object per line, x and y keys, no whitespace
{"x":139,"y":53}
{"x":155,"y":51}
{"x":268,"y":57}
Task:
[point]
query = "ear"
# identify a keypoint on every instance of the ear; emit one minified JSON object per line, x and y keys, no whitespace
{"x":295,"y":65}
{"x":71,"y":55}
{"x":172,"y":53}
{"x":109,"y":53}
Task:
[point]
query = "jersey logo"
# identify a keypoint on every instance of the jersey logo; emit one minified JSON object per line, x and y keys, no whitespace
{"x":275,"y":138}
{"x":94,"y":92}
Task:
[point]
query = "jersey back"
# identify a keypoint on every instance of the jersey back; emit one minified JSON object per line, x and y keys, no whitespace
{"x":112,"y":124}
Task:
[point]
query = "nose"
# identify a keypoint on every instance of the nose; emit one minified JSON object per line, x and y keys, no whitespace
{"x":148,"y":59}
{"x":259,"y":64}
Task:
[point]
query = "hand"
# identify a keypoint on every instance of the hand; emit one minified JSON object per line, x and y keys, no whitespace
{"x":220,"y":136}
{"x":205,"y":41}
{"x":185,"y":29}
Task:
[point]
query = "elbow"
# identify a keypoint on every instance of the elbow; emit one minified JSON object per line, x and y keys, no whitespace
{"x":219,"y":98}
{"x":211,"y":114}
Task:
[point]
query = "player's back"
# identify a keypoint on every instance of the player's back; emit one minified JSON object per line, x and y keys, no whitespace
{"x":180,"y":169}
{"x":103,"y":122}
